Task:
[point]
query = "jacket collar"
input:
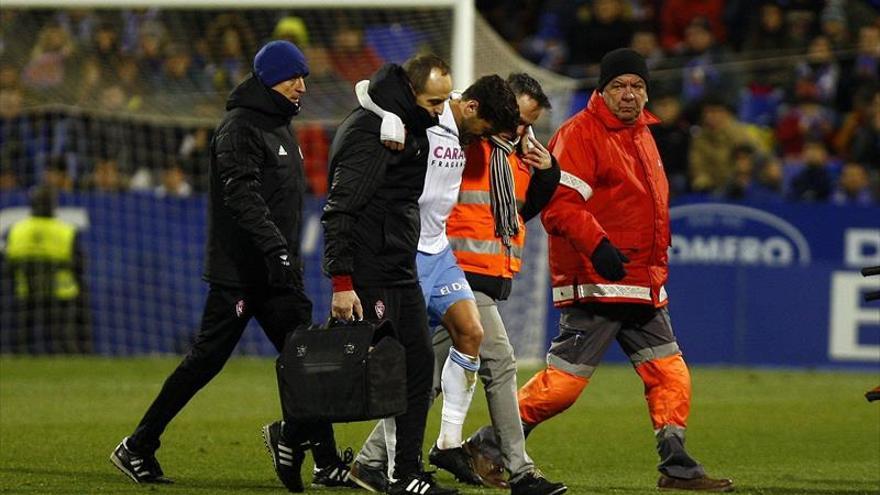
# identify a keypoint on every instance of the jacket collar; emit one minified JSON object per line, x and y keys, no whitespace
{"x":598,"y":108}
{"x":253,"y":95}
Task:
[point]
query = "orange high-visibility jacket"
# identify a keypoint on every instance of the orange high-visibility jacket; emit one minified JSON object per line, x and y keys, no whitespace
{"x":471,"y":226}
{"x":612,"y":185}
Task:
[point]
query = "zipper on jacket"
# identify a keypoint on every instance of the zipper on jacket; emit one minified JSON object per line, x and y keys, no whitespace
{"x":650,"y":183}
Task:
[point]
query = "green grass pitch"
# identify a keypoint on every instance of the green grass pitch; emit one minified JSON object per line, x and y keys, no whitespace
{"x":774,"y":432}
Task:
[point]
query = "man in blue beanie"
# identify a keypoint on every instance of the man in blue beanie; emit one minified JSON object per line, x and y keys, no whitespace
{"x":253,"y":261}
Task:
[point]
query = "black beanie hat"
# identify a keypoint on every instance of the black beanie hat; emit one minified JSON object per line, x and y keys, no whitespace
{"x":621,"y":61}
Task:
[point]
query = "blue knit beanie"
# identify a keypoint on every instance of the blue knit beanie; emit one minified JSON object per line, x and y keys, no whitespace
{"x":279,"y":61}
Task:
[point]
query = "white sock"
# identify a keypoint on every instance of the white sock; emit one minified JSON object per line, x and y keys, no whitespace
{"x":458,"y":381}
{"x":390,"y":446}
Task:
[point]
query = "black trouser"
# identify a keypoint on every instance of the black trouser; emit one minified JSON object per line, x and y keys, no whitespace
{"x":50,"y":326}
{"x":227,"y":312}
{"x":405,"y":307}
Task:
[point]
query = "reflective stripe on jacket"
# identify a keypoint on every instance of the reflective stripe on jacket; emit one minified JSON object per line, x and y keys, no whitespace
{"x":613,"y":185}
{"x":471,"y":226}
{"x":40,"y":253}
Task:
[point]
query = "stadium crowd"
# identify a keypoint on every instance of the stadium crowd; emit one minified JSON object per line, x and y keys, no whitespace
{"x":775,"y":103}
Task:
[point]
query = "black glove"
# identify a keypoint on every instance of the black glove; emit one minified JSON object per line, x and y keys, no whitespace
{"x":279,"y":270}
{"x":608,"y":261}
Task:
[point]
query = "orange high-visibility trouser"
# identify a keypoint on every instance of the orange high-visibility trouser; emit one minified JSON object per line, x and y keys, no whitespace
{"x":585,"y":334}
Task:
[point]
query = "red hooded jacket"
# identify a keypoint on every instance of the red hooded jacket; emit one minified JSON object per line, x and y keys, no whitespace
{"x":613,"y":185}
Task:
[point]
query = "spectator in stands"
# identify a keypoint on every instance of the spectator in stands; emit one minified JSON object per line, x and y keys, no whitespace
{"x":56,"y":176}
{"x":112,"y":98}
{"x":710,"y":164}
{"x":819,"y":73}
{"x":673,"y":139}
{"x":866,"y":141}
{"x":801,"y":21}
{"x":547,"y":47}
{"x":351,"y":57}
{"x":813,"y":183}
{"x":9,"y":75}
{"x":133,"y":22}
{"x":128,"y":77}
{"x":80,"y":24}
{"x":89,"y":80}
{"x":100,"y":63}
{"x":645,"y":42}
{"x":19,"y":146}
{"x":744,"y":168}
{"x":807,"y":120}
{"x":141,"y":181}
{"x":50,"y":62}
{"x":151,"y":42}
{"x":767,"y":48}
{"x":854,"y":120}
{"x":18,"y":33}
{"x":292,"y":29}
{"x":315,"y":144}
{"x":179,"y":82}
{"x":676,"y":16}
{"x":230,"y":38}
{"x":597,"y":29}
{"x":769,"y":186}
{"x":512,"y":18}
{"x":770,"y":32}
{"x":332,"y":96}
{"x":194,"y":155}
{"x":106,"y":177}
{"x":45,"y":264}
{"x":8,"y":179}
{"x":106,"y":88}
{"x":867,"y":60}
{"x":700,"y":71}
{"x":105,"y":43}
{"x":860,"y":69}
{"x":853,"y":186}
{"x":173,"y":183}
{"x":834,"y":25}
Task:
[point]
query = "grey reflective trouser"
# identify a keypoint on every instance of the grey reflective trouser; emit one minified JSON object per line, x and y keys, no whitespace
{"x":498,"y":373}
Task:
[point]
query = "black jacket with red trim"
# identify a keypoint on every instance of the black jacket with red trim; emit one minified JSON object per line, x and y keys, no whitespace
{"x":371,"y":219}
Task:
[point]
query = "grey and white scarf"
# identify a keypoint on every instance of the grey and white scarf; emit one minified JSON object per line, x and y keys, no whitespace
{"x":501,"y":190}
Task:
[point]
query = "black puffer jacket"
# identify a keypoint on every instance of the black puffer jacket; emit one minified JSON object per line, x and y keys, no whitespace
{"x":257,"y":187}
{"x":371,"y":220}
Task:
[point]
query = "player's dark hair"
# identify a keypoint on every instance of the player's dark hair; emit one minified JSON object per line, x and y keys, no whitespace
{"x":524,"y":84}
{"x":418,"y":69}
{"x":497,"y":103}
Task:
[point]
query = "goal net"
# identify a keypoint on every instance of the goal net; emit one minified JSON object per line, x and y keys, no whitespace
{"x":115,"y":107}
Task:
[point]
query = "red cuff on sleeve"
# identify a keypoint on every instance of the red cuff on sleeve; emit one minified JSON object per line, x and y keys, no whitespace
{"x":342,"y":282}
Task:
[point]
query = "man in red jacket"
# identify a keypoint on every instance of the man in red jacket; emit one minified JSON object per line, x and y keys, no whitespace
{"x":608,"y":225}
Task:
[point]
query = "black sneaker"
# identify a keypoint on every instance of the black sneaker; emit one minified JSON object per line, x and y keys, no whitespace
{"x":419,"y":484}
{"x":138,"y":467}
{"x":287,"y":459}
{"x":369,"y":478}
{"x":457,"y":462}
{"x":336,"y":474}
{"x":534,"y":483}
